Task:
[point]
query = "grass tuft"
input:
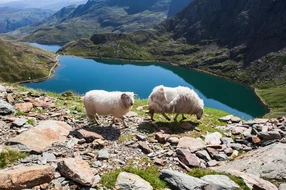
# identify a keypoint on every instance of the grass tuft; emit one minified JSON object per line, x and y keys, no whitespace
{"x":8,"y":157}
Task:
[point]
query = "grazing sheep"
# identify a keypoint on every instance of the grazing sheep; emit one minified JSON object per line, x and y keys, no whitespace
{"x":101,"y":102}
{"x":179,"y":100}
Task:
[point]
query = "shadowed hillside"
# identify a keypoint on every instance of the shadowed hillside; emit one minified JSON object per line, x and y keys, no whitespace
{"x":100,"y":16}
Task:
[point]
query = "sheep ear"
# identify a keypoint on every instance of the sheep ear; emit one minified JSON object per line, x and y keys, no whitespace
{"x":124,"y":96}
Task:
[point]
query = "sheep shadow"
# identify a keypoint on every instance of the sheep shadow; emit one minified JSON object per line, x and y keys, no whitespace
{"x":107,"y":132}
{"x":170,"y":127}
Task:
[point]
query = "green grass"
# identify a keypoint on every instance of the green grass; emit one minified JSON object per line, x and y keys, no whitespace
{"x":150,"y":174}
{"x":21,"y":62}
{"x":275,"y":98}
{"x":10,"y":156}
{"x":206,"y":124}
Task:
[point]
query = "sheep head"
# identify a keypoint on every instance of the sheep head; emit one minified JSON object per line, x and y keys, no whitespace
{"x":127,"y":99}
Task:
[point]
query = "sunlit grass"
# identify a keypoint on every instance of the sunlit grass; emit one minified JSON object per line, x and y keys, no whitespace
{"x":150,"y":174}
{"x":10,"y":156}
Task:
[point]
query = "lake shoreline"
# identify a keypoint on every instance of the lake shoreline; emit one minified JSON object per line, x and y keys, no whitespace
{"x":266,"y":106}
{"x":100,"y":73}
{"x":37,"y":80}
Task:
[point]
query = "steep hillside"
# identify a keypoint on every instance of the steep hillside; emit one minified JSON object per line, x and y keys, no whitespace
{"x":100,"y":16}
{"x":11,"y":19}
{"x":21,"y":62}
{"x":240,"y":40}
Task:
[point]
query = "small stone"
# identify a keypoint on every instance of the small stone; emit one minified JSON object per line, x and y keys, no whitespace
{"x":160,"y":137}
{"x":228,"y":151}
{"x":212,"y":163}
{"x":160,"y":162}
{"x":221,"y":157}
{"x":146,"y":149}
{"x":188,"y":158}
{"x":256,"y":140}
{"x":49,"y":156}
{"x":235,"y":119}
{"x":173,"y":139}
{"x":203,"y":154}
{"x":103,"y":155}
{"x":226,"y":118}
{"x":141,"y":137}
{"x":20,"y":122}
{"x":213,"y":139}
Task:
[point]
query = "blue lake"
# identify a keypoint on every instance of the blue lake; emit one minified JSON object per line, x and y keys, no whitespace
{"x":81,"y":75}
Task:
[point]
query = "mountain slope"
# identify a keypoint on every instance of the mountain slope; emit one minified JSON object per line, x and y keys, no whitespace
{"x":240,"y":40}
{"x":100,"y":16}
{"x":21,"y":62}
{"x":11,"y":19}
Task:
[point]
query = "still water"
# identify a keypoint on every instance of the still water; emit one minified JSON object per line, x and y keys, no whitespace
{"x":81,"y":75}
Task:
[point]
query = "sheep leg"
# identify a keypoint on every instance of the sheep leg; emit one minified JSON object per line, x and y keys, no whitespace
{"x":175,"y":118}
{"x":183,"y":117}
{"x":151,"y":113}
{"x":166,"y":116}
{"x":96,"y":118}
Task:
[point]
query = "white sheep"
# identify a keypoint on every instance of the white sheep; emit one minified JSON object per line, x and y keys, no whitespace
{"x":101,"y":102}
{"x":179,"y":100}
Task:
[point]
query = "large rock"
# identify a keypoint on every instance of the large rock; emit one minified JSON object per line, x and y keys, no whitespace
{"x":194,"y":144}
{"x":267,"y":162}
{"x":253,"y":181}
{"x":182,"y":181}
{"x":24,"y":107}
{"x":25,"y":177}
{"x":43,"y":135}
{"x":213,"y":139}
{"x":220,"y":182}
{"x":129,"y":181}
{"x":77,"y":170}
{"x":6,"y":108}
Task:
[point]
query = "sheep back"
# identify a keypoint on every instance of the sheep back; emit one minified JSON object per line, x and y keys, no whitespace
{"x":186,"y":102}
{"x":102,"y":102}
{"x":180,"y":100}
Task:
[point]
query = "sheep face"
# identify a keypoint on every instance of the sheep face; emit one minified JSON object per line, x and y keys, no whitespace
{"x":200,"y":114}
{"x":127,"y":99}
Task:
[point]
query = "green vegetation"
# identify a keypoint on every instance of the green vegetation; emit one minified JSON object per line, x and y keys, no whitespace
{"x":9,"y":156}
{"x":199,"y":127}
{"x":150,"y":174}
{"x":22,"y":62}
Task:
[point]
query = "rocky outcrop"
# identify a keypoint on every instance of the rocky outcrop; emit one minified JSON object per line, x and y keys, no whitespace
{"x":42,"y":136}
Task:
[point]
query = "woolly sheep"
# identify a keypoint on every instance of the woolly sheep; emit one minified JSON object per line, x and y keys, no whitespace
{"x":179,"y":100}
{"x":101,"y":102}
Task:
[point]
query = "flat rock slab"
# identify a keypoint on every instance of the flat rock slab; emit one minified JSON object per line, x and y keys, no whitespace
{"x":77,"y":170}
{"x":25,"y":177}
{"x":267,"y":162}
{"x":42,"y":136}
{"x":194,"y":144}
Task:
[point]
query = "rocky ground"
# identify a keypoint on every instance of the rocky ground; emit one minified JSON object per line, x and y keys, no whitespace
{"x":66,"y":151}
